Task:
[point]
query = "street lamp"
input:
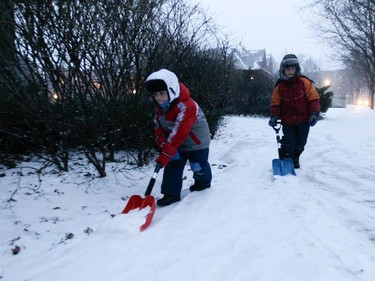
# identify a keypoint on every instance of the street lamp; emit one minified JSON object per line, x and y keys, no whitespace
{"x":326,"y":83}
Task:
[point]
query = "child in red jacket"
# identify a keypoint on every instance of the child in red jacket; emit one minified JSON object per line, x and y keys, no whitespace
{"x":181,"y":133}
{"x":296,"y":102}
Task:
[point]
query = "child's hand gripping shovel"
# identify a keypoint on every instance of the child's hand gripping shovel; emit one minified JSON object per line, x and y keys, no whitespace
{"x":281,"y":167}
{"x":137,"y":202}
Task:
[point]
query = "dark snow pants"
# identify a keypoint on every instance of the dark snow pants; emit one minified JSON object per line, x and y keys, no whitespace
{"x":173,"y":172}
{"x":294,"y":139}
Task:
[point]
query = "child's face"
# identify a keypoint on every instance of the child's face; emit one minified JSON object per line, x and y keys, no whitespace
{"x":290,"y":71}
{"x":161,"y":97}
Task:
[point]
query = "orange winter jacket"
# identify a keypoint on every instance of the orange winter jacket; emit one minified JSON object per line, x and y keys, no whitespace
{"x":294,"y":100}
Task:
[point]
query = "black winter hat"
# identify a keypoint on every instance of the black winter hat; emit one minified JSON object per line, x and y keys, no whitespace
{"x":289,"y":60}
{"x":156,"y":85}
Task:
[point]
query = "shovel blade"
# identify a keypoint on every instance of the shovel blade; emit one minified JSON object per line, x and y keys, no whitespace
{"x":283,"y":167}
{"x":148,"y":201}
{"x":134,"y":202}
{"x":137,"y":202}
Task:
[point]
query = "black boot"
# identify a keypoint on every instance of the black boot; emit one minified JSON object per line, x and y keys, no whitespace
{"x":283,"y":154}
{"x":296,"y":160}
{"x":197,"y":187}
{"x":168,"y":200}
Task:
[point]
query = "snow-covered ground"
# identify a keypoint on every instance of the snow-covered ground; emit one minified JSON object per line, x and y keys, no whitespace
{"x":319,"y":225}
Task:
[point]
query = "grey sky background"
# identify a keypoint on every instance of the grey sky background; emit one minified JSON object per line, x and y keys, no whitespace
{"x":278,"y":26}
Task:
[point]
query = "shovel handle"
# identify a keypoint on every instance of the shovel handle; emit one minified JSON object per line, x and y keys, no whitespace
{"x":278,"y":139}
{"x":277,"y":128}
{"x":152,"y":180}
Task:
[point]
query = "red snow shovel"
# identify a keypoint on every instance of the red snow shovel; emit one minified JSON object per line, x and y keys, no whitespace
{"x":137,"y":202}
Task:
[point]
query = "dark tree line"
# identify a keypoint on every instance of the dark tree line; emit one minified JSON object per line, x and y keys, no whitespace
{"x":251,"y":93}
{"x":72,"y":76}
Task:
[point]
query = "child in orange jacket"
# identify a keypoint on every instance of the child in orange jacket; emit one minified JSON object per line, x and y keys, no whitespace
{"x":296,"y":102}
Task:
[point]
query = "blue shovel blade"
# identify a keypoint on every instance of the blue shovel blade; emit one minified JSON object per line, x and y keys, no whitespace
{"x":283,"y":167}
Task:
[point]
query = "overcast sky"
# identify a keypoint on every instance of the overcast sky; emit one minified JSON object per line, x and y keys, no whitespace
{"x":278,"y":26}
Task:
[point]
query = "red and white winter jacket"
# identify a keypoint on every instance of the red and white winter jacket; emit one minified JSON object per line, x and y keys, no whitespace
{"x":182,"y":126}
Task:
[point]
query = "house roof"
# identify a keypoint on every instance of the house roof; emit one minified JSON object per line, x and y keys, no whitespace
{"x":252,"y":60}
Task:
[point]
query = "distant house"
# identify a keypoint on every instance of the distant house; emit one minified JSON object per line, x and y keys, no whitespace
{"x":255,"y":60}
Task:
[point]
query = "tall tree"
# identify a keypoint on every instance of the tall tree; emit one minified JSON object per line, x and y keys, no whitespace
{"x":350,"y":26}
{"x":7,"y":40}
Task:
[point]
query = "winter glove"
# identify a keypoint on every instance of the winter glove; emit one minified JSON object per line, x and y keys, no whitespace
{"x":166,"y":155}
{"x":163,"y":159}
{"x":273,"y":121}
{"x":161,"y":140}
{"x":313,"y":118}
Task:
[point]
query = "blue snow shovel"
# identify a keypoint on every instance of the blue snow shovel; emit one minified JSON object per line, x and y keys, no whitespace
{"x":285,"y":166}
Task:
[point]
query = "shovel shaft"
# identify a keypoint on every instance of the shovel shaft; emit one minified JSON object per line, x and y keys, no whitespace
{"x":152,"y":180}
{"x":278,"y":138}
